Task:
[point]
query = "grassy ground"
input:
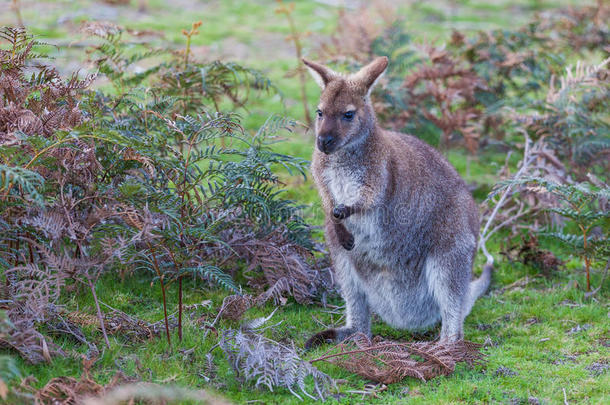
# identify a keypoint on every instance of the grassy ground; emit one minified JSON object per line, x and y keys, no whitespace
{"x":544,"y":340}
{"x":529,"y":324}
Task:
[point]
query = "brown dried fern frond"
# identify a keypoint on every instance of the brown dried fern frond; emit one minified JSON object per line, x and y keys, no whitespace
{"x":34,"y":290}
{"x":278,"y":266}
{"x":118,"y":323}
{"x":147,"y":163}
{"x":447,"y":87}
{"x":23,"y":338}
{"x":388,"y":362}
{"x":35,"y":287}
{"x":234,"y":306}
{"x":285,"y":267}
{"x":79,"y":161}
{"x":36,"y":99}
{"x":69,"y":390}
{"x":51,"y":223}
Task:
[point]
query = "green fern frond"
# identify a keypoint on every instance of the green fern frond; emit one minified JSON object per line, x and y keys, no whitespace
{"x":589,"y":148}
{"x":212,"y":273}
{"x":16,"y":179}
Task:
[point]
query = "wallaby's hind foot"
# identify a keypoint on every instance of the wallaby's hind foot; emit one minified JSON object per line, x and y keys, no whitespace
{"x":320,"y":338}
{"x":331,"y":336}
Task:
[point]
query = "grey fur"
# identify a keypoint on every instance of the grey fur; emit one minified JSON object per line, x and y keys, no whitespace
{"x":414,"y":223}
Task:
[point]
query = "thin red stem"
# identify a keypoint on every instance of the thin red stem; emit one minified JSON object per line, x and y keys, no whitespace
{"x":158,"y":270}
{"x":180,"y":308}
{"x":99,"y":311}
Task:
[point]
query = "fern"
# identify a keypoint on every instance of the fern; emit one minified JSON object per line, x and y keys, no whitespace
{"x":150,"y":177}
{"x":268,"y":363}
{"x":8,"y":366}
{"x":589,"y":148}
{"x":211,"y":273}
{"x":584,"y":206}
{"x":18,"y":180}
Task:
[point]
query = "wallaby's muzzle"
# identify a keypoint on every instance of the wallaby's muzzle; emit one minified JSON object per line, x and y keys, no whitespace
{"x":327,"y":143}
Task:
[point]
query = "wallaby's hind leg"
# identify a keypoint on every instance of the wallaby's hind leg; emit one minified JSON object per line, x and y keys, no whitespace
{"x":448,"y":276}
{"x":357,"y":312}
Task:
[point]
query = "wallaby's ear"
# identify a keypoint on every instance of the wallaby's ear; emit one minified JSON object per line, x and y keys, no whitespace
{"x":371,"y":73}
{"x":321,"y":74}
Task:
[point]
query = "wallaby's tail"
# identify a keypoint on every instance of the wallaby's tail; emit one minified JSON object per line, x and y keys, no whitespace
{"x":479,"y":286}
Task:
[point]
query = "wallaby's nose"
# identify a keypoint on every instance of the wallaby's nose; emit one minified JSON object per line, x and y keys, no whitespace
{"x":326,"y":143}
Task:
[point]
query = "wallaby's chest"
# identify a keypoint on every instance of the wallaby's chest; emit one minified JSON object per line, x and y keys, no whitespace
{"x":344,"y":184}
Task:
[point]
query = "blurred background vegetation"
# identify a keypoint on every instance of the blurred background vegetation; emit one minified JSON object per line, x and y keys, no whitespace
{"x":154,"y":187}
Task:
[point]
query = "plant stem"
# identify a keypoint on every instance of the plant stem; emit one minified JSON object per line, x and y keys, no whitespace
{"x":176,"y":266}
{"x":180,"y":308}
{"x":31,"y":253}
{"x":17,"y":9}
{"x":99,"y":311}
{"x":169,"y":341}
{"x":17,"y":251}
{"x":586,"y":257}
{"x":187,"y":51}
{"x":484,"y":235}
{"x":158,"y":270}
{"x":302,"y":78}
{"x":186,"y":63}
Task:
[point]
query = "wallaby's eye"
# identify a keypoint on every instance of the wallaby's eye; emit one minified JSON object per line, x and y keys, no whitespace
{"x":319,"y":113}
{"x":349,"y":115}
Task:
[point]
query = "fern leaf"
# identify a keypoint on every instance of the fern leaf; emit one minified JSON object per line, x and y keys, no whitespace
{"x":214,"y":274}
{"x":29,"y":181}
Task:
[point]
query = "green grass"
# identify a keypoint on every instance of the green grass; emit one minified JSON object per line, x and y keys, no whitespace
{"x":538,"y":352}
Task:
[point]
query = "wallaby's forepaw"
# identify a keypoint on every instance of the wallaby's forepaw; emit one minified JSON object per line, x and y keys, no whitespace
{"x":345,"y":238}
{"x":348,"y":243}
{"x":326,"y":336}
{"x":341,"y":211}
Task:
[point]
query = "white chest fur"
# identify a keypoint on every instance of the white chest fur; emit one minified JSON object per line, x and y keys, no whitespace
{"x":343,"y":185}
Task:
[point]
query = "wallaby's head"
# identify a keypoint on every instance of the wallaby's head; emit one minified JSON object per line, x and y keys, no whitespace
{"x":345,"y":115}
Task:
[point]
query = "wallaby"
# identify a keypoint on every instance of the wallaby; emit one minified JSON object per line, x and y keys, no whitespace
{"x":401,"y":226}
